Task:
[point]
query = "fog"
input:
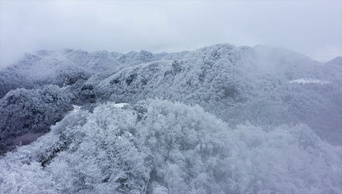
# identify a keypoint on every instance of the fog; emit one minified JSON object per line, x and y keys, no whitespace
{"x":312,"y":28}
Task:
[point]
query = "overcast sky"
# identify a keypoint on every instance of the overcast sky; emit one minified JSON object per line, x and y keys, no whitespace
{"x":312,"y":28}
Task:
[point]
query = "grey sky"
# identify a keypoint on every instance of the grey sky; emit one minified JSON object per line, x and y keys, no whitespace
{"x":309,"y":27}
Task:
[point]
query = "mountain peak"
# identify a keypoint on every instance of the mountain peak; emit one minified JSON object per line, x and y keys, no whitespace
{"x":335,"y":61}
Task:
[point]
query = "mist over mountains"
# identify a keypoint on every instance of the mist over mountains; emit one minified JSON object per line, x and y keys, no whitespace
{"x":220,"y":119}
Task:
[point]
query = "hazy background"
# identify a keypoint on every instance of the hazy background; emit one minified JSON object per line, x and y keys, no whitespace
{"x":309,"y":27}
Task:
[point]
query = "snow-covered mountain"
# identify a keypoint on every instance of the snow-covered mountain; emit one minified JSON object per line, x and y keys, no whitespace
{"x":335,"y":61}
{"x":220,"y":119}
{"x":52,"y":67}
{"x":238,"y":84}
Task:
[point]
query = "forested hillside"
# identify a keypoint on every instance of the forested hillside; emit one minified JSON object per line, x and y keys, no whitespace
{"x":220,"y":119}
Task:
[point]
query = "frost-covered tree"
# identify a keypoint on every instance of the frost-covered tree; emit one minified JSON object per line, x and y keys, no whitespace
{"x":27,"y":114}
{"x":163,"y":147}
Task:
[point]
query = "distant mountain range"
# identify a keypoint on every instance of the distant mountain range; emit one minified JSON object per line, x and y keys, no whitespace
{"x":52,"y":67}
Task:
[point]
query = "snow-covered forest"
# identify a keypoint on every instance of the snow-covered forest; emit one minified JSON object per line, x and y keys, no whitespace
{"x":220,"y":119}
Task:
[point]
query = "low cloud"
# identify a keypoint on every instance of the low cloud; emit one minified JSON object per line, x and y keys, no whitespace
{"x":306,"y":27}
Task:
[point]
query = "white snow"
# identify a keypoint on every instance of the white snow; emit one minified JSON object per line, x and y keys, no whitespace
{"x":76,"y":108}
{"x":120,"y":105}
{"x":309,"y":81}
